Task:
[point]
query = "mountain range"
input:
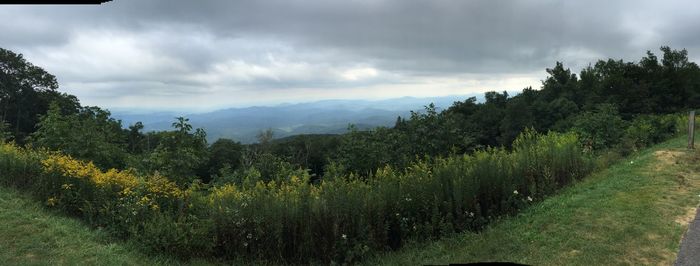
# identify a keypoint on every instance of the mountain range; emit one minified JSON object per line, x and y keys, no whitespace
{"x":320,"y":117}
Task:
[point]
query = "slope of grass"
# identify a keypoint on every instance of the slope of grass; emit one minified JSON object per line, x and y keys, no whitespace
{"x":634,"y":212}
{"x":31,"y":235}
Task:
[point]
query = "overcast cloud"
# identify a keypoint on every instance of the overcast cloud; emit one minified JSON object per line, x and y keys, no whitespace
{"x":202,"y":55}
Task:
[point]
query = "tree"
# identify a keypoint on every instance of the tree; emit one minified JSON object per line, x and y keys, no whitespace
{"x":182,"y":125}
{"x":224,"y":153}
{"x":5,"y":134}
{"x":91,"y":134}
{"x":601,"y":128}
{"x":25,"y":94}
{"x":136,"y":139}
{"x":181,"y":154}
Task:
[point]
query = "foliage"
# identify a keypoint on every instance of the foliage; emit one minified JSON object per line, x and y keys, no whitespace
{"x":5,"y":134}
{"x":26,"y":92}
{"x":32,"y":235}
{"x":602,"y":220}
{"x":600,"y":128}
{"x":339,"y":220}
{"x":89,"y":134}
{"x":181,"y":153}
{"x":224,"y":153}
{"x":311,"y":151}
{"x":646,"y":130}
{"x":433,"y":174}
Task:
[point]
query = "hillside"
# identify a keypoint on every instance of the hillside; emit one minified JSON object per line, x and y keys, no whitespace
{"x":633,"y":212}
{"x":31,"y":235}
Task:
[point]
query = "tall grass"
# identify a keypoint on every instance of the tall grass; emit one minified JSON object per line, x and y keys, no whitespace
{"x":341,"y":219}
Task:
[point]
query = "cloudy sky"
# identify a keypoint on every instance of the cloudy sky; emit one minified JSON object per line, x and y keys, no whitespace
{"x":202,"y":55}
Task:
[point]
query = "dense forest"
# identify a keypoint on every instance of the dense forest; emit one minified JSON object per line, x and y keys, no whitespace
{"x":451,"y":170}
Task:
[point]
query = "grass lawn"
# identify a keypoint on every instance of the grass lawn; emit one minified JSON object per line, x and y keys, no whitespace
{"x":32,"y":235}
{"x":634,"y":212}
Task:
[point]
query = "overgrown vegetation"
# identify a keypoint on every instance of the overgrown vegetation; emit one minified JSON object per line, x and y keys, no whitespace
{"x":333,"y":198}
{"x":634,"y":212}
{"x":32,"y":235}
{"x":341,"y":219}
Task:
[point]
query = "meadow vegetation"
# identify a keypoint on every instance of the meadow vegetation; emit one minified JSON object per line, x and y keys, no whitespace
{"x":340,"y":198}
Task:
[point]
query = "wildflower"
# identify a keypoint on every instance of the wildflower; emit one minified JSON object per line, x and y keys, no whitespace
{"x":471,"y":214}
{"x":51,"y":201}
{"x":245,"y":244}
{"x":515,"y":192}
{"x":415,"y":228}
{"x":345,"y":236}
{"x":631,"y":162}
{"x":134,"y":213}
{"x":67,"y":186}
{"x":408,"y":199}
{"x":397,"y":214}
{"x":529,"y":198}
{"x":249,"y":236}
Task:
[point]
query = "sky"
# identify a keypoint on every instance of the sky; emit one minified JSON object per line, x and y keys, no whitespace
{"x":205,"y":55}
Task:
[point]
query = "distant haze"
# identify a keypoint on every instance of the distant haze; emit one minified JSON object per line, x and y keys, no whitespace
{"x":321,"y":117}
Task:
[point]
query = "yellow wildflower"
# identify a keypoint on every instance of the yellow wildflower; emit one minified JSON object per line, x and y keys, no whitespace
{"x":51,"y":201}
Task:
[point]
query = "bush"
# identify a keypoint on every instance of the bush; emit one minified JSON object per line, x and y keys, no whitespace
{"x":340,"y":220}
{"x":599,"y":129}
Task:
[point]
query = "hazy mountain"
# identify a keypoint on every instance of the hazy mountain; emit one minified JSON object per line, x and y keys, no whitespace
{"x":321,"y":117}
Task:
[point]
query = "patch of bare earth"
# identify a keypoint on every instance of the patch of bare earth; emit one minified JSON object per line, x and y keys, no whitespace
{"x":667,"y":158}
{"x":687,"y":217}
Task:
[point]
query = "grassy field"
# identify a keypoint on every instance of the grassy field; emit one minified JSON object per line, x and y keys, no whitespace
{"x":634,"y":212}
{"x":31,"y":235}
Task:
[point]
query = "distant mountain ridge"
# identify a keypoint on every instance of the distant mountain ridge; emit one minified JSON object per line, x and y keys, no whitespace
{"x":319,"y":117}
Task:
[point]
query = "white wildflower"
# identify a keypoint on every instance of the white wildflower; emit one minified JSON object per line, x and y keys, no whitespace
{"x":515,"y":192}
{"x":249,"y":236}
{"x":529,"y":198}
{"x":345,"y":236}
{"x":471,"y":214}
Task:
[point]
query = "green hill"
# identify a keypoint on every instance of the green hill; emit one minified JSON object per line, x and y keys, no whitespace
{"x":633,"y":212}
{"x":32,"y":235}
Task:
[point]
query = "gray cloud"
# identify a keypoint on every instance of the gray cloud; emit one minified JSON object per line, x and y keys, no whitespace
{"x":226,"y":47}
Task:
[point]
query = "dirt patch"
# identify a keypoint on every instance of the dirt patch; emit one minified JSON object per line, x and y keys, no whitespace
{"x":641,"y":257}
{"x":667,"y":158}
{"x":687,"y":217}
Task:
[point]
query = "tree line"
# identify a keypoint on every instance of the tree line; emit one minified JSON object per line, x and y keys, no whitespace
{"x":600,"y":104}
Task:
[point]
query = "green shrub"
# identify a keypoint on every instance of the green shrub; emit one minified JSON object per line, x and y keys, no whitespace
{"x":285,"y":218}
{"x":599,"y":129}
